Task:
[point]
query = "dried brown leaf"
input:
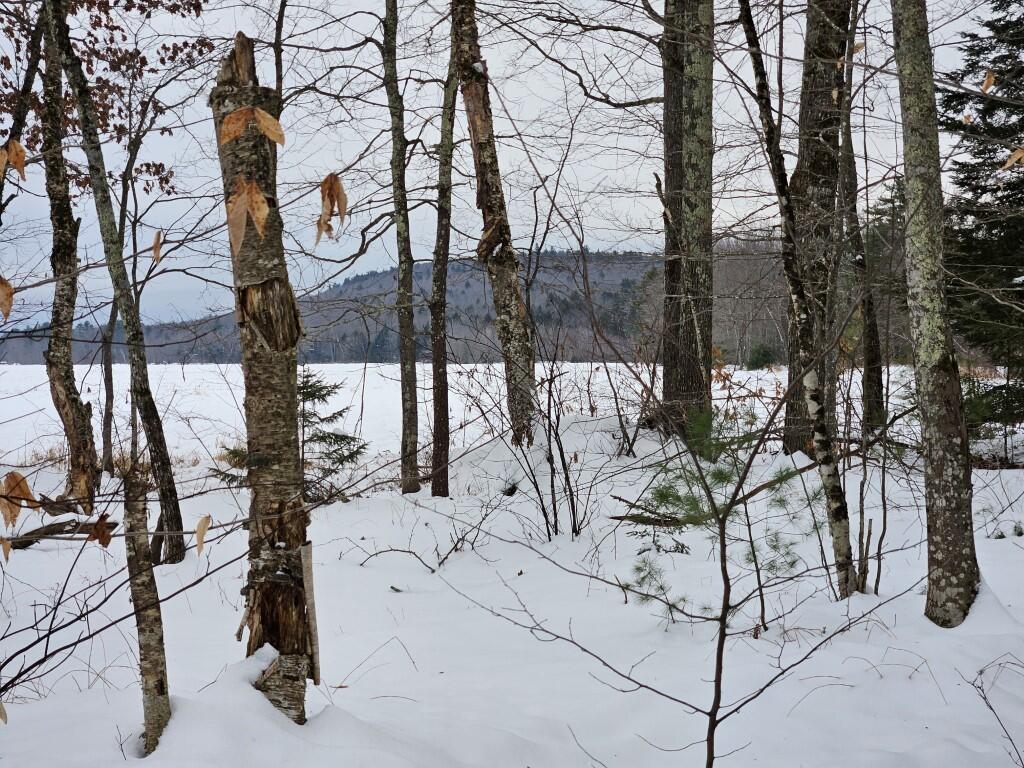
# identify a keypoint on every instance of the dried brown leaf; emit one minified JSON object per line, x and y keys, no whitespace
{"x":100,"y":531}
{"x":1015,"y":157}
{"x":340,"y":198}
{"x":5,"y":544}
{"x":858,"y":47}
{"x":968,"y":119}
{"x":3,"y":161}
{"x":234,"y":124}
{"x":269,"y":126}
{"x":6,"y":297}
{"x":16,"y":157}
{"x":201,"y":528}
{"x":10,"y":511}
{"x":18,"y":490}
{"x":990,"y":80}
{"x":158,"y":241}
{"x":3,"y":713}
{"x":246,"y":201}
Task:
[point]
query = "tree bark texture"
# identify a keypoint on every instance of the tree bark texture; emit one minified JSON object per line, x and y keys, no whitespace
{"x":107,"y":362}
{"x":75,"y":415}
{"x":270,"y":329}
{"x":142,"y":395}
{"x":495,"y":250}
{"x":953,"y":574}
{"x":813,"y":189}
{"x":439,"y":284}
{"x":156,"y":702}
{"x":410,"y":473}
{"x":872,"y":388}
{"x":687,"y":52}
{"x":802,"y":319}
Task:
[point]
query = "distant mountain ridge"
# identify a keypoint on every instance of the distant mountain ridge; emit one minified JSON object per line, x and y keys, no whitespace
{"x":354,"y":321}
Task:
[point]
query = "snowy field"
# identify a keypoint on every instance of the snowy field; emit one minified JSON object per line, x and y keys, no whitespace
{"x":485,"y":644}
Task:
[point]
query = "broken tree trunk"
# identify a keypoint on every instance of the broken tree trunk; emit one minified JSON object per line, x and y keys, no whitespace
{"x":268,"y":319}
{"x":953,"y":574}
{"x":495,"y":249}
{"x":142,"y":395}
{"x":149,"y":625}
{"x":439,"y":284}
{"x":75,"y":415}
{"x":410,"y":473}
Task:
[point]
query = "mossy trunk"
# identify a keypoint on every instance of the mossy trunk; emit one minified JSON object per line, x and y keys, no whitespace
{"x":270,"y":329}
{"x":953,"y":573}
{"x":687,"y":53}
{"x":156,"y":701}
{"x":113,"y":251}
{"x":75,"y":415}
{"x":813,"y":188}
{"x":439,"y":284}
{"x":410,"y":472}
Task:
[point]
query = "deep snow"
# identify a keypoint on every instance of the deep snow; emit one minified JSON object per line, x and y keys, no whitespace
{"x":430,"y":669}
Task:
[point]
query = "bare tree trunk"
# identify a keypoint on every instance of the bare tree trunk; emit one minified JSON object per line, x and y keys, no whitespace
{"x":687,"y":50}
{"x":107,"y":363}
{"x":75,"y":415}
{"x":156,"y":702}
{"x":268,"y":318}
{"x":113,"y":252}
{"x":495,"y":249}
{"x":814,"y":187}
{"x":404,"y":297}
{"x":439,"y":283}
{"x":872,"y":390}
{"x":953,"y":574}
{"x":801,"y":313}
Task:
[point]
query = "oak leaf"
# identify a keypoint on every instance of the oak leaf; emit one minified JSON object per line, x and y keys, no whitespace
{"x":201,"y":528}
{"x":6,"y":298}
{"x":158,"y":241}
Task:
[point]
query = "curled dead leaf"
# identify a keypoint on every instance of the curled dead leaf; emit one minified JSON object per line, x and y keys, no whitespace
{"x":158,"y":241}
{"x":201,"y":528}
{"x":16,"y":157}
{"x":18,"y":490}
{"x":10,"y":511}
{"x":100,"y":531}
{"x":990,"y":80}
{"x":332,"y":198}
{"x":1015,"y":157}
{"x":6,"y":297}
{"x":269,"y":126}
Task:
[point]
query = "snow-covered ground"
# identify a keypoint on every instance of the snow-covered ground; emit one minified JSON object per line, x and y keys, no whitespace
{"x":516,"y":651}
